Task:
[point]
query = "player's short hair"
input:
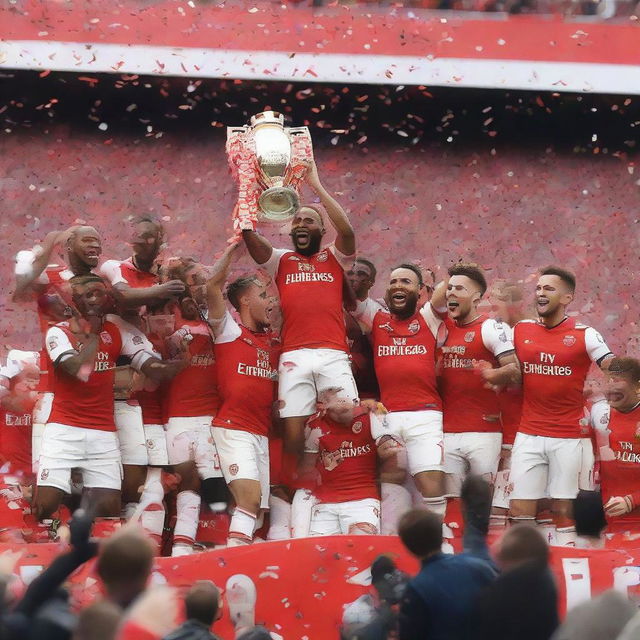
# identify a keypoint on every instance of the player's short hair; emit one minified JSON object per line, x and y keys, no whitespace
{"x":564,"y":274}
{"x":236,"y":288}
{"x":471,"y":271}
{"x":411,"y":267}
{"x":368,"y":263}
{"x":523,"y":543}
{"x":202,"y":602}
{"x":149,"y":219}
{"x":86,"y":278}
{"x":315,"y":208}
{"x":420,"y":532}
{"x":629,"y":367}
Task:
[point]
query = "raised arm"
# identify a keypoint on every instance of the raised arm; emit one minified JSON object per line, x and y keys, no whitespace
{"x":259,"y":247}
{"x":346,"y":239}
{"x":31,"y":264}
{"x":215,"y":299}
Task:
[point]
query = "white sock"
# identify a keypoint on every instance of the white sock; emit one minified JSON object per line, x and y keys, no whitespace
{"x":151,"y":509}
{"x":436,"y":505}
{"x":301,"y":507}
{"x":241,"y":527}
{"x":188,"y":512}
{"x":129,"y":510}
{"x":240,"y":593}
{"x":396,"y":501}
{"x":279,"y":519}
{"x":566,"y":536}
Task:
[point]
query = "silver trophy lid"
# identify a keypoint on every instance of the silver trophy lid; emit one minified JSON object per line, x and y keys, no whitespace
{"x":267,"y":117}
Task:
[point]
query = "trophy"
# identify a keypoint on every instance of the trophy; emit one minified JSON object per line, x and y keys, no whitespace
{"x":269,"y":162}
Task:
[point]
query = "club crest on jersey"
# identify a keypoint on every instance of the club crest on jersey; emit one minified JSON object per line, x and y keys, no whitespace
{"x":44,"y":474}
{"x":469,"y":336}
{"x":414,"y":327}
{"x":323,"y":256}
{"x":233,"y":469}
{"x":150,"y":444}
{"x":357,"y":427}
{"x":105,"y":336}
{"x":569,"y":341}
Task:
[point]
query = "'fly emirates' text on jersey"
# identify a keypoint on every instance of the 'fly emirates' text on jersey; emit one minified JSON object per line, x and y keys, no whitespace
{"x":310,"y":289}
{"x":554,"y":364}
{"x":468,"y":405}
{"x":194,"y":391}
{"x":87,"y":401}
{"x":247,"y":365}
{"x":125,"y":272}
{"x":348,"y":459}
{"x":620,"y":464}
{"x":404,"y":355}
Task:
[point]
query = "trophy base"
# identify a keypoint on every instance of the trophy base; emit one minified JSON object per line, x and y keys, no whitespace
{"x":278,"y":204}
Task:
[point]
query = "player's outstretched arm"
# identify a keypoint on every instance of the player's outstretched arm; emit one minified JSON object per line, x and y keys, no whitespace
{"x":79,"y":364}
{"x":346,"y":239}
{"x":508,"y":375}
{"x":132,"y":298}
{"x":259,"y":248}
{"x":31,"y":264}
{"x":215,"y":299}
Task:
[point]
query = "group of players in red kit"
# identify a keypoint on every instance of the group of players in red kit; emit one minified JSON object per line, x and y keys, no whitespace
{"x":166,"y":381}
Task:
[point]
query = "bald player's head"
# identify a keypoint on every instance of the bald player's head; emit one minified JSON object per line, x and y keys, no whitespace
{"x":202,"y":602}
{"x":84,"y":248}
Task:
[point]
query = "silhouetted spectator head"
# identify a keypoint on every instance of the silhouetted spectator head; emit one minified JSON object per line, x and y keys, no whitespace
{"x":202,"y":602}
{"x":257,"y":633}
{"x":421,"y":532}
{"x":124,"y":565}
{"x":588,"y":514}
{"x":98,"y":621}
{"x":522,"y":544}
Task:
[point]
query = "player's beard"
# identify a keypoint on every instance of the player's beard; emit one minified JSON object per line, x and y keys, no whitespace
{"x":407,"y":310}
{"x":312,"y":247}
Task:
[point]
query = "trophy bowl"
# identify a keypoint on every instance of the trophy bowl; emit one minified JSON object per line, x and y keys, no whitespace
{"x":278,"y":204}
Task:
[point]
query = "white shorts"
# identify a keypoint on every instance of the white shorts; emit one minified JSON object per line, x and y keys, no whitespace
{"x":543,"y":466}
{"x":96,"y":453}
{"x":41,"y":413}
{"x":244,"y":456}
{"x":191,"y":439}
{"x":474,"y":453}
{"x":585,"y":479}
{"x":336,"y":518}
{"x":128,"y":420}
{"x":304,"y":373}
{"x":156,"y":442}
{"x":421,"y":434}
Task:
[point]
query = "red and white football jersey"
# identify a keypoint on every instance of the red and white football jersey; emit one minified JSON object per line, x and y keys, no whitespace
{"x":404,"y":355}
{"x":310,"y":289}
{"x":620,"y":458}
{"x":15,"y":439}
{"x":554,"y":364}
{"x":125,"y":272}
{"x":247,"y":376}
{"x":467,"y":405}
{"x":348,"y":459}
{"x":87,"y":401}
{"x":194,"y":391}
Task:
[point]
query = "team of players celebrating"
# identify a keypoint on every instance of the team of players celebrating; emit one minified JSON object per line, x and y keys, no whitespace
{"x":335,"y":415}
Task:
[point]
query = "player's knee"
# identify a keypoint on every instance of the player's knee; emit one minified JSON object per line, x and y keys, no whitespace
{"x":363,"y":529}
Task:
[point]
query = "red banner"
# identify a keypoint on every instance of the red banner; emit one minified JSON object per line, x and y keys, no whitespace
{"x":352,"y":44}
{"x":303,"y":584}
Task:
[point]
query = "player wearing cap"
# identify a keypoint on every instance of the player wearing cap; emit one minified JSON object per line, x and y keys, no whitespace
{"x":617,"y":436}
{"x":405,"y":340}
{"x":555,"y":354}
{"x":472,"y":428}
{"x":81,"y":432}
{"x":310,"y":283}
{"x":247,"y":359}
